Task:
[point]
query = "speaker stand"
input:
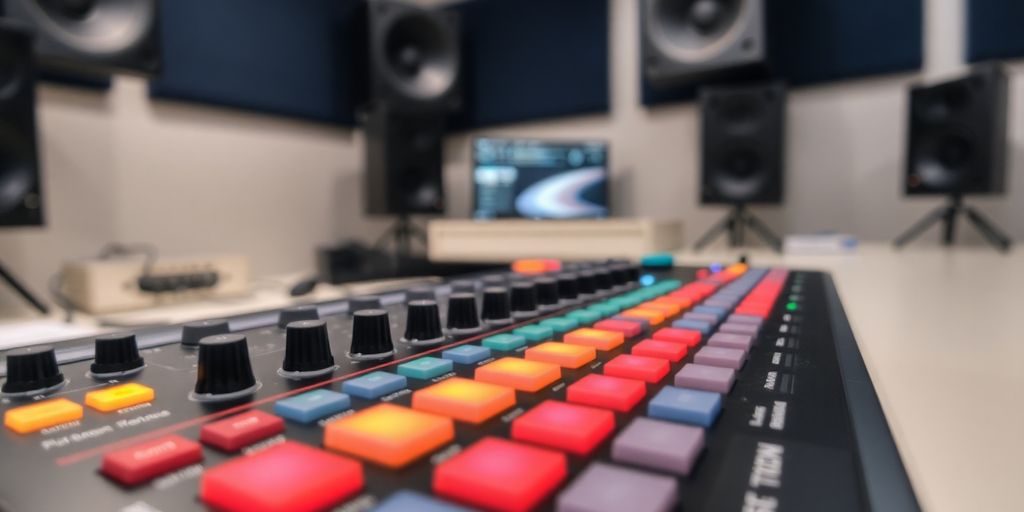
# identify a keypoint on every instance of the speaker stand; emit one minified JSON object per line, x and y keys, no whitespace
{"x":734,"y":224}
{"x":21,"y":290}
{"x":401,"y":235}
{"x":947,"y":216}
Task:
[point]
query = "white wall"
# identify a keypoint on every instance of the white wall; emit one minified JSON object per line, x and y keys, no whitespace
{"x":193,"y":179}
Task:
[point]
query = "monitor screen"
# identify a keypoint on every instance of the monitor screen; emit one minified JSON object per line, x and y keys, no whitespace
{"x":540,"y":179}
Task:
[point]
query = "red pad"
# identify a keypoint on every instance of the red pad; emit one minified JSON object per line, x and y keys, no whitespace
{"x":605,"y":391}
{"x":238,"y":431}
{"x":627,"y":328}
{"x":496,"y":474}
{"x":574,"y":428}
{"x":687,"y":337}
{"x":647,"y":369}
{"x":668,"y":350}
{"x":143,"y":462}
{"x":288,"y":476}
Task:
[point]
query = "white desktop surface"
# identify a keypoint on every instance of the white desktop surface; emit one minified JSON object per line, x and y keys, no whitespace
{"x":940,"y":333}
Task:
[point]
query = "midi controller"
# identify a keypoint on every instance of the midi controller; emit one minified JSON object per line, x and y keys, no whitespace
{"x":574,"y":387}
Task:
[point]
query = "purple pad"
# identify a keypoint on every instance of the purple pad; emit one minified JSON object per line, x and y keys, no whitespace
{"x":659,"y":445}
{"x":706,"y":378}
{"x":608,"y":488}
{"x":720,"y":356}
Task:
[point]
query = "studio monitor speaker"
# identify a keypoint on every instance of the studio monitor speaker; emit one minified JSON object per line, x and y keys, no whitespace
{"x":742,"y":142}
{"x":688,"y":40}
{"x":20,"y":193}
{"x":957,"y":135}
{"x":403,"y":162}
{"x":94,"y":35}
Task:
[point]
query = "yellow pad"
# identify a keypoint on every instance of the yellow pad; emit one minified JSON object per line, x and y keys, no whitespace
{"x":562,"y":354}
{"x":119,"y":397}
{"x":519,"y":373}
{"x":464,"y":399}
{"x":37,"y":416}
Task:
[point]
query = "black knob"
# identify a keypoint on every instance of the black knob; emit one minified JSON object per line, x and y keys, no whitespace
{"x":586,"y":283}
{"x":32,"y":370}
{"x":294,"y":314}
{"x":421,"y":293}
{"x":463,"y":286}
{"x":547,"y":294}
{"x":462,"y":317}
{"x":423,"y":323}
{"x":371,"y":335}
{"x":602,"y":279}
{"x":497,"y":308}
{"x":192,"y":332}
{"x":366,"y":302}
{"x":568,"y":290}
{"x":633,"y":273}
{"x":224,"y":370}
{"x":524,"y":300}
{"x":619,"y":273}
{"x":307,"y":350}
{"x":116,"y":354}
{"x":495,"y":280}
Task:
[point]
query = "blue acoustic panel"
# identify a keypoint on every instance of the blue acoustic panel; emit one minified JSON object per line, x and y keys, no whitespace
{"x":532,"y":59}
{"x":287,"y":57}
{"x":994,"y":29}
{"x":815,"y":41}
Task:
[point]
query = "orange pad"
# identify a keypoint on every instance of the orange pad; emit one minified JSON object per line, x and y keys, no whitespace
{"x":596,"y":338}
{"x":684,"y":303}
{"x":664,"y":308}
{"x":464,"y":399}
{"x":519,"y":373}
{"x":540,"y":266}
{"x":37,"y":416}
{"x":652,"y":316}
{"x":388,"y":434}
{"x":562,"y":354}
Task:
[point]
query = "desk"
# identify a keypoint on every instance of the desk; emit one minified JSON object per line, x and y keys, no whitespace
{"x":939,"y":333}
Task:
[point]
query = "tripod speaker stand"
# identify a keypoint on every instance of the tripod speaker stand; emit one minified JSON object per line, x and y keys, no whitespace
{"x":21,"y":290}
{"x":947,"y":216}
{"x":735,"y":223}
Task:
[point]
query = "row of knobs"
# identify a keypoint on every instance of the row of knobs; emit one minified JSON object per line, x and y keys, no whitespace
{"x":224,"y":367}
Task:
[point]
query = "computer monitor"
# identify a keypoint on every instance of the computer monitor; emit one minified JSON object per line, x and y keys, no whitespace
{"x":540,"y":179}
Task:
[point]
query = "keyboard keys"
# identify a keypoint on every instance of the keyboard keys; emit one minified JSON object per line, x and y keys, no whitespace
{"x":425,"y":368}
{"x":647,"y":369}
{"x":560,"y":325}
{"x":504,"y":342}
{"x":693,"y":325}
{"x":500,"y":475}
{"x":730,"y":340}
{"x":690,"y":338}
{"x":145,"y":461}
{"x":312,"y":405}
{"x":467,"y":354}
{"x":685,"y":405}
{"x":613,"y":393}
{"x":667,"y":350}
{"x":518,"y":373}
{"x":374,"y":385}
{"x":119,"y":397}
{"x":535,"y":333}
{"x":40,"y":415}
{"x":288,"y":476}
{"x":562,"y":354}
{"x":388,"y":434}
{"x":609,"y":488}
{"x":627,"y":328}
{"x":406,"y":501}
{"x":659,"y":445}
{"x":720,"y":356}
{"x":596,"y":338}
{"x":236,"y":432}
{"x":573,"y":428}
{"x":707,"y":378}
{"x":464,"y":399}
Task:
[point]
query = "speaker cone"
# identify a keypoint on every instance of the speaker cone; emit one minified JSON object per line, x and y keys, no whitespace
{"x":420,"y":55}
{"x":693,"y":30}
{"x":944,"y":158}
{"x":739,"y":171}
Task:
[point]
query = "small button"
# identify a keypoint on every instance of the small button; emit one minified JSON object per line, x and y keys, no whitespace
{"x":693,"y":325}
{"x":668,"y":350}
{"x":288,"y":476}
{"x":425,"y":368}
{"x":562,"y":354}
{"x":535,"y":333}
{"x":467,"y":354}
{"x":519,"y":373}
{"x":688,"y":337}
{"x":652,"y":316}
{"x":609,"y":392}
{"x":736,"y":318}
{"x":665,"y":308}
{"x":236,"y":432}
{"x":406,"y":501}
{"x":707,"y":318}
{"x":603,"y":487}
{"x":584,"y":317}
{"x":647,"y":369}
{"x":659,"y":445}
{"x":604,"y":309}
{"x":524,"y":477}
{"x":374,"y":385}
{"x":119,"y":397}
{"x":720,"y":356}
{"x":714,"y":310}
{"x":388,"y":434}
{"x":574,"y":428}
{"x":595,"y":338}
{"x":559,"y":325}
{"x":504,"y":342}
{"x":739,"y":328}
{"x":464,"y":399}
{"x":313,"y":405}
{"x":143,"y":462}
{"x":685,"y":405}
{"x":707,"y":378}
{"x":626,"y":327}
{"x":730,"y":340}
{"x":683,"y":302}
{"x":37,"y":416}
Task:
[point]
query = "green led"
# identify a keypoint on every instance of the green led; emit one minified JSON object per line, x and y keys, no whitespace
{"x":791,"y":306}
